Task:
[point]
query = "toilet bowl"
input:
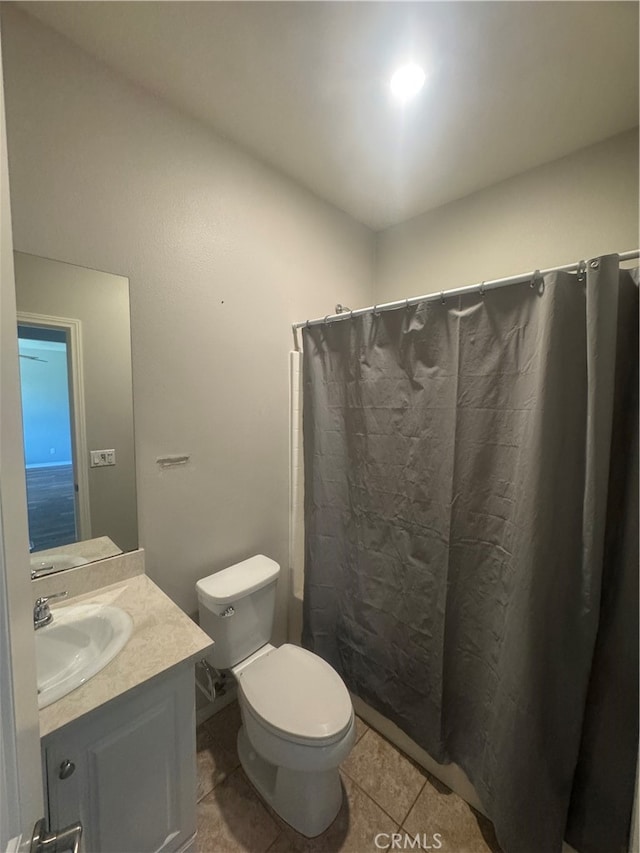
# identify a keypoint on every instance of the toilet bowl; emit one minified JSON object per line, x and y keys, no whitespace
{"x":298,"y":726}
{"x":297,"y":718}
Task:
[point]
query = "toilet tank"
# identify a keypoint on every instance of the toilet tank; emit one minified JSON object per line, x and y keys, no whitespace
{"x":236,"y":607}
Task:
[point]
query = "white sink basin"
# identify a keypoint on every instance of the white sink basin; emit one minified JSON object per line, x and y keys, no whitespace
{"x":81,"y":640}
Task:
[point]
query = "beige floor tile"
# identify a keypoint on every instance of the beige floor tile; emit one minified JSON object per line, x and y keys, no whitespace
{"x":232,"y":818}
{"x":462,"y":828}
{"x":383,"y":773}
{"x":353,"y":830}
{"x":361,"y":728}
{"x":217,"y":755}
{"x":282,"y":844}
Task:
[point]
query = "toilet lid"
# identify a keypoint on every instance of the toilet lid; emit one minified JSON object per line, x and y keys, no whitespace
{"x":297,"y":693}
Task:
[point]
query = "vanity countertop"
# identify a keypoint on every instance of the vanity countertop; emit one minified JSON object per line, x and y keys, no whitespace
{"x":163,"y":636}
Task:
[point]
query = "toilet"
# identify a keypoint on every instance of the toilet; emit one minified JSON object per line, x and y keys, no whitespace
{"x":298,"y":723}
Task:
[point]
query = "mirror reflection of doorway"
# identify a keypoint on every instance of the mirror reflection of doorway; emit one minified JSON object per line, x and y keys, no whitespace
{"x":47,"y":388}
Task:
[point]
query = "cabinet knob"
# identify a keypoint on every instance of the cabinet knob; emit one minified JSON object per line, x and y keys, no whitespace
{"x":66,"y":769}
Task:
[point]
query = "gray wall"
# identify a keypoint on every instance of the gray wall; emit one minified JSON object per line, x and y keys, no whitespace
{"x":581,"y":206}
{"x":222,"y":254}
{"x":101,"y":302}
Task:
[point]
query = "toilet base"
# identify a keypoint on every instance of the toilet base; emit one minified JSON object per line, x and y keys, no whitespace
{"x":309,"y":802}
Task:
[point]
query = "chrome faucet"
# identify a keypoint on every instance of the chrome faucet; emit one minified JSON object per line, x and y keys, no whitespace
{"x":41,"y":614}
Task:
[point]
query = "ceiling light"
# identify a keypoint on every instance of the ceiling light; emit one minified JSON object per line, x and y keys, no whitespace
{"x":407,"y":81}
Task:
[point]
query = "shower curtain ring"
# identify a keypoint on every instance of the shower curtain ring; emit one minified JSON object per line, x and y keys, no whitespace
{"x":534,"y":279}
{"x":376,"y":313}
{"x":308,"y":324}
{"x":442,"y":299}
{"x":325,"y":318}
{"x":351,"y":314}
{"x":482,"y":289}
{"x":406,"y":304}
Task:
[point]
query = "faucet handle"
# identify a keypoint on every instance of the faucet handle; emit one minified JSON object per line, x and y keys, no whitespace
{"x":53,"y":595}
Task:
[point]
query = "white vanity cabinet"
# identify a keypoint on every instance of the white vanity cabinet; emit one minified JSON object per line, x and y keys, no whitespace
{"x":127,"y":770}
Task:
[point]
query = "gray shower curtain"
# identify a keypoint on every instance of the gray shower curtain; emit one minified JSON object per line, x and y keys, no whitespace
{"x":457,"y":462}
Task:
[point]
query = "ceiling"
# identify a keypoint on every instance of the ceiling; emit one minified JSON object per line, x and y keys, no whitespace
{"x":304,"y":85}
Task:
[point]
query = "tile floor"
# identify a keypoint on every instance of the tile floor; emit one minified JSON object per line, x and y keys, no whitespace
{"x":385,"y":792}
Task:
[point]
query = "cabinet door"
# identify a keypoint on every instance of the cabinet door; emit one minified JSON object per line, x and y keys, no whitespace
{"x":133,"y":780}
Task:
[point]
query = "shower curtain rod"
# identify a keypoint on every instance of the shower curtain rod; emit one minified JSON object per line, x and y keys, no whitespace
{"x":447,"y":294}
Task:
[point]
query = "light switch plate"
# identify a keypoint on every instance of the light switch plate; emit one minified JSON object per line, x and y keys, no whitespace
{"x":99,"y":458}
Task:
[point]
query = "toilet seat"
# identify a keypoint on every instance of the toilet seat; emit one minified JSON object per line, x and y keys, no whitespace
{"x":288,"y":737}
{"x":297,"y":696}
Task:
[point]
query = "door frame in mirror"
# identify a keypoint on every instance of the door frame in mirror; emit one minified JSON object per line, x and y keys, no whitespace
{"x":73,"y":329}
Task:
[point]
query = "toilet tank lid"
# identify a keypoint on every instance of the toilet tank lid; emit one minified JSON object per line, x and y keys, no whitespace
{"x":227,"y":585}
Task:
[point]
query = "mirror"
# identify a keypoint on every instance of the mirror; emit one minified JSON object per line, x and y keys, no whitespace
{"x":74,"y":340}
